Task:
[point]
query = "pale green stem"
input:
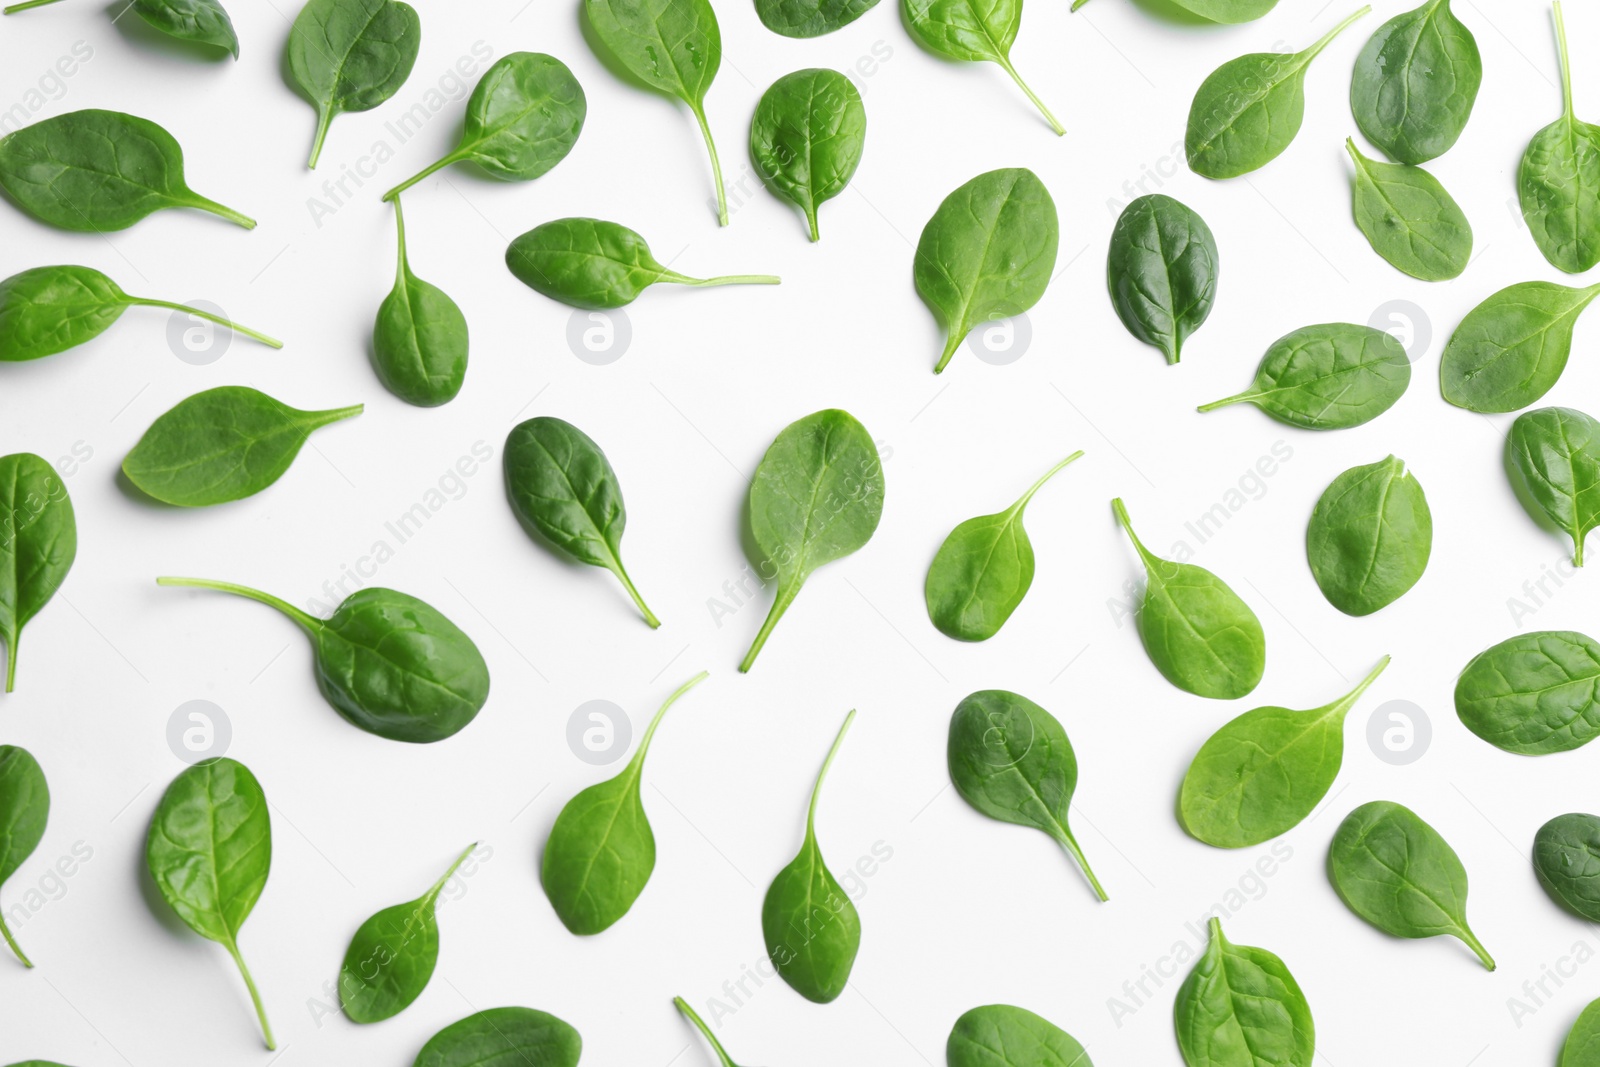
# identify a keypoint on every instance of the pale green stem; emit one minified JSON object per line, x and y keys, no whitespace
{"x":779,"y":606}
{"x":15,"y":635}
{"x":952,"y":342}
{"x":644,"y":609}
{"x":1005,"y":63}
{"x":1078,"y":3}
{"x":1127,"y":525}
{"x":1566,"y":65}
{"x":1070,"y":843}
{"x":255,"y":998}
{"x":705,"y":1031}
{"x":644,"y":744}
{"x":1477,"y":946}
{"x":816,"y":789}
{"x":1348,"y":701}
{"x":207,"y":204}
{"x":721,"y":279}
{"x":309,"y":622}
{"x":400,"y":228}
{"x":716,"y":165}
{"x":5,"y":932}
{"x":324,"y":119}
{"x":144,"y":301}
{"x":1038,"y":485}
{"x":14,"y":8}
{"x":438,"y":887}
{"x":1327,"y":38}
{"x":1577,"y":561}
{"x":1225,"y":401}
{"x":811,"y":220}
{"x":425,"y":172}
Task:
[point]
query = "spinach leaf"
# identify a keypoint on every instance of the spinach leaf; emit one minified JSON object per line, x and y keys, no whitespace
{"x":205,"y":21}
{"x":91,"y":171}
{"x":522,"y":119}
{"x":38,"y":542}
{"x":1553,"y":456}
{"x":810,"y":18}
{"x":1512,"y":348}
{"x":987,"y":253}
{"x":1396,"y":872}
{"x":1369,"y":537}
{"x":999,"y":1034}
{"x":419,"y":342}
{"x":1558,"y":183}
{"x":1534,"y":693}
{"x":1162,"y":272}
{"x":222,"y":444}
{"x":1409,"y":219}
{"x":45,"y":310}
{"x":503,"y":1037}
{"x":351,"y":55}
{"x":24,"y":811}
{"x":983,"y":570}
{"x":389,"y":663}
{"x":1582,"y":1047}
{"x":566,"y":495}
{"x":1241,"y":1007}
{"x":811,"y":928}
{"x":1198,"y":633}
{"x":1248,"y":110}
{"x":391,"y":958}
{"x":601,"y":850}
{"x":817,"y":496}
{"x":1566,"y":857}
{"x":1265,"y":771}
{"x":1225,"y":11}
{"x":1415,"y":83}
{"x":209,"y":851}
{"x":589,"y":263}
{"x":673,"y":47}
{"x":972,"y":31}
{"x":705,"y":1031}
{"x":1011,"y":760}
{"x":1327,"y":377}
{"x":806,"y":137}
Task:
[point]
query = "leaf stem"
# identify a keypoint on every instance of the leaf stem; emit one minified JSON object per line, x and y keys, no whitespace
{"x":438,"y":887}
{"x":779,"y":606}
{"x":726,"y":279}
{"x":644,"y":609}
{"x":811,"y":221}
{"x":952,"y":342}
{"x":1577,"y":561}
{"x":1566,"y":67}
{"x":255,"y":998}
{"x":1236,"y":398}
{"x":716,"y":164}
{"x":13,"y":636}
{"x":1038,"y":485}
{"x":309,"y":622}
{"x":1122,"y":517}
{"x":650,"y":731}
{"x":816,"y":789}
{"x":1327,"y":38}
{"x":425,"y":172}
{"x":400,"y":228}
{"x":1348,"y":701}
{"x":324,"y":119}
{"x":1070,"y":843}
{"x":205,"y":203}
{"x":1477,"y":946}
{"x":333,"y":415}
{"x":14,"y":8}
{"x":144,"y":301}
{"x":5,"y":931}
{"x":705,"y":1031}
{"x":1078,"y":3}
{"x":1005,"y":63}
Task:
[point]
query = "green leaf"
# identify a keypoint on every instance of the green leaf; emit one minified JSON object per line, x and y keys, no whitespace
{"x":983,"y":570}
{"x":1566,"y":857}
{"x":1582,"y":1047}
{"x":810,"y":18}
{"x":1415,"y":83}
{"x":1011,"y":760}
{"x":999,"y":1035}
{"x":209,"y":851}
{"x":1396,"y":872}
{"x":705,"y":1031}
{"x":601,"y":850}
{"x":92,"y":171}
{"x":503,"y":1037}
{"x":24,"y":811}
{"x":389,"y":663}
{"x":1248,"y":110}
{"x":1240,"y":1007}
{"x":419,"y":342}
{"x":1198,"y":633}
{"x":204,"y":21}
{"x":1369,"y":537}
{"x":1534,"y":693}
{"x":351,"y":55}
{"x":1553,"y":458}
{"x":39,"y":544}
{"x":972,"y":31}
{"x":1558,"y":183}
{"x":1512,"y":348}
{"x":816,"y":497}
{"x":565,"y":494}
{"x":221,"y":445}
{"x":987,"y":253}
{"x":1327,"y":377}
{"x":806,"y":138}
{"x":1409,"y":219}
{"x":1265,"y":771}
{"x":1162,"y":272}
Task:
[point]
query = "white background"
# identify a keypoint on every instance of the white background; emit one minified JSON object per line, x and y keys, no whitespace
{"x":967,"y":911}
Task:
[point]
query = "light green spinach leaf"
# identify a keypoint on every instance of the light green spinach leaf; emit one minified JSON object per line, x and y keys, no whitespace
{"x":1327,"y":377}
{"x":503,"y":1037}
{"x":204,"y":21}
{"x":1240,"y":1007}
{"x":1558,"y":183}
{"x":999,"y":1035}
{"x":1370,"y":537}
{"x":1415,"y":83}
{"x":38,"y":542}
{"x":419,"y":341}
{"x":1534,"y":693}
{"x":24,"y":812}
{"x":810,"y":18}
{"x":972,"y":31}
{"x":351,"y":55}
{"x":1553,"y":456}
{"x":806,"y":137}
{"x":1512,"y":348}
{"x":1409,"y":219}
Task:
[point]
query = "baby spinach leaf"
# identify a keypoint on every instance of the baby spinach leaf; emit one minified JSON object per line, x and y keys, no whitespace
{"x":351,"y":55}
{"x":522,"y":119}
{"x":565,"y":494}
{"x":1566,"y":857}
{"x":1248,"y":110}
{"x":24,"y":811}
{"x":1415,"y":83}
{"x":970,"y":31}
{"x":1198,"y":633}
{"x":987,"y":253}
{"x":388,"y":662}
{"x":45,"y":310}
{"x":817,"y":496}
{"x":1327,"y":377}
{"x":999,"y":1035}
{"x":1241,"y":1007}
{"x":1225,"y":11}
{"x":1582,"y":1047}
{"x":209,"y":851}
{"x":1396,"y":872}
{"x":1512,"y":348}
{"x":588,"y":263}
{"x":806,"y":137}
{"x":1369,"y":537}
{"x":1011,"y":760}
{"x":419,"y":342}
{"x":1558,"y":183}
{"x":673,"y":47}
{"x":222,"y":444}
{"x":1553,"y":456}
{"x":810,"y":18}
{"x":1265,"y":771}
{"x":391,"y":958}
{"x":205,"y":21}
{"x":38,"y":542}
{"x":705,"y":1031}
{"x":93,"y":170}
{"x":1534,"y":693}
{"x":810,"y":926}
{"x":1162,"y":272}
{"x":601,"y":850}
{"x":1409,"y":219}
{"x":983,"y":570}
{"x":503,"y":1037}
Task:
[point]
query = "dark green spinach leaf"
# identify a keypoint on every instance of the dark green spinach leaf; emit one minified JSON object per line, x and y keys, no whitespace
{"x":999,"y":1035}
{"x":1240,"y":1007}
{"x":1534,"y":693}
{"x":419,"y":342}
{"x":1162,"y":272}
{"x":806,"y":137}
{"x":351,"y":55}
{"x":1559,"y":181}
{"x":204,"y":21}
{"x":1512,"y":348}
{"x":1409,"y":219}
{"x":1370,"y":536}
{"x":972,"y":31}
{"x":1566,"y":857}
{"x":1415,"y":83}
{"x":810,"y":18}
{"x":503,"y":1037}
{"x":1327,"y":377}
{"x":38,"y":542}
{"x":1553,"y":456}
{"x":24,"y":811}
